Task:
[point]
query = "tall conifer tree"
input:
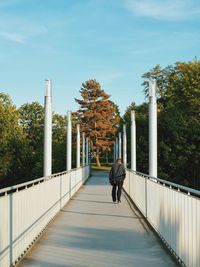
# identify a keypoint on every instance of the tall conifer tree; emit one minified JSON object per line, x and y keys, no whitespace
{"x":98,"y":116}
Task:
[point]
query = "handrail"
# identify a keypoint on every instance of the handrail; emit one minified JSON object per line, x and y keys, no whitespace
{"x":10,"y":189}
{"x":33,"y":205}
{"x":171,"y":209}
{"x":165,"y":182}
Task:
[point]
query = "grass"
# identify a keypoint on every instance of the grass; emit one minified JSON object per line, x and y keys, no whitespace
{"x":102,"y":168}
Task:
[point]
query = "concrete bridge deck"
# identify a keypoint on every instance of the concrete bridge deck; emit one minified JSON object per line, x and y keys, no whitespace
{"x":91,"y":231}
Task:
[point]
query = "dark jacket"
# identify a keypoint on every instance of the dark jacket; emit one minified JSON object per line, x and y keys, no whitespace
{"x":117,"y":173}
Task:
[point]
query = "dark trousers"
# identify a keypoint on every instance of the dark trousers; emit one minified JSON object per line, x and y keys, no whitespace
{"x":117,"y":191}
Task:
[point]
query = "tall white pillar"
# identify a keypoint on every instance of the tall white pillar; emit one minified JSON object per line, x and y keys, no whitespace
{"x":83,"y":149}
{"x":152,"y":129}
{"x":87,"y":150}
{"x":116,"y":149}
{"x":69,"y":141}
{"x":48,"y":129}
{"x":78,"y":146}
{"x":133,"y":141}
{"x":124,"y":146}
{"x":114,"y":152}
{"x":120,"y":144}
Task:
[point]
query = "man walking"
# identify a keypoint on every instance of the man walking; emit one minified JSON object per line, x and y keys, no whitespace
{"x":116,"y":177}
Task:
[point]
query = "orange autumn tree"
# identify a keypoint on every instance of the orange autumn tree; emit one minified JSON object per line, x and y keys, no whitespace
{"x":98,"y":117}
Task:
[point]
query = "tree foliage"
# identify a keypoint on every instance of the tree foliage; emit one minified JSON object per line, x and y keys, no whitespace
{"x":32,"y":123}
{"x":99,"y":117}
{"x":21,"y":130}
{"x":59,"y":143}
{"x":178,"y":123}
{"x":12,"y":141}
{"x":141,"y":114}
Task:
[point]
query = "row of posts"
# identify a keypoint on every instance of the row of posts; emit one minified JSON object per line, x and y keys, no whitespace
{"x":152,"y":136}
{"x":48,"y":137}
{"x":85,"y":141}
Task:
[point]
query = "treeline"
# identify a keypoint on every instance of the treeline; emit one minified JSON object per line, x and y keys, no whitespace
{"x":21,"y":142}
{"x":178,"y":123}
{"x":21,"y":130}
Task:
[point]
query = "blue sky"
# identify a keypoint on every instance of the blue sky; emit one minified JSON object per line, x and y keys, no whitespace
{"x":71,"y":41}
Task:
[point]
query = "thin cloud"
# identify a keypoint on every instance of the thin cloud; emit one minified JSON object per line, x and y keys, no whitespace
{"x":165,"y":9}
{"x":13,"y":37}
{"x":24,"y":30}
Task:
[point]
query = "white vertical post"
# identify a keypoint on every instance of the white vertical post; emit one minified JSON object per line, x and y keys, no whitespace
{"x":120,"y":144}
{"x":78,"y":146}
{"x":48,"y":129}
{"x":133,"y":141}
{"x":152,"y":129}
{"x":83,"y":149}
{"x":87,"y":150}
{"x":124,"y":146}
{"x":69,"y":141}
{"x":117,"y":149}
{"x":114,"y":152}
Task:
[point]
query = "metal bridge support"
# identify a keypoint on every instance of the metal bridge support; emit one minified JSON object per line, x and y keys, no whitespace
{"x":124,"y":146}
{"x":69,"y":141}
{"x":48,"y":129}
{"x":152,"y":129}
{"x":114,"y":152}
{"x":133,"y":141}
{"x":120,"y":145}
{"x":78,"y":146}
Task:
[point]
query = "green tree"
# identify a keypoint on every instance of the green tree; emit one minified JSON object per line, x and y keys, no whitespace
{"x":142,"y":148}
{"x":59,"y":143}
{"x":12,"y":143}
{"x":178,"y":121}
{"x":32,"y":122}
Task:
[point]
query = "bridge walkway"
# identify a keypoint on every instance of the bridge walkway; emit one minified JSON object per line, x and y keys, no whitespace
{"x":91,"y":231}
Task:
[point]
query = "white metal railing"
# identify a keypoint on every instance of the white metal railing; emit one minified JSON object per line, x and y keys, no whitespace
{"x":172,"y":210}
{"x":26,"y":209}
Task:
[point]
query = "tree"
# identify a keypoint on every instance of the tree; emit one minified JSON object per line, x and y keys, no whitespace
{"x":141,"y":113}
{"x":12,"y":143}
{"x":32,"y":122}
{"x":98,"y":116}
{"x":59,"y":143}
{"x":178,"y":121}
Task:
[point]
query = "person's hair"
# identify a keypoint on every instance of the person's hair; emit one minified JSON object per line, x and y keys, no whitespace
{"x":119,"y":159}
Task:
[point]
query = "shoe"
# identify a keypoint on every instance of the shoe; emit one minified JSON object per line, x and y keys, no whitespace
{"x":114,"y":202}
{"x":119,"y":202}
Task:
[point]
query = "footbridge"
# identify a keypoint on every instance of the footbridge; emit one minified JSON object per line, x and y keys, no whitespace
{"x":68,"y":219}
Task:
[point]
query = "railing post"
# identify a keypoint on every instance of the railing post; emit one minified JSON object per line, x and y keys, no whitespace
{"x":78,"y":146}
{"x":69,"y":141}
{"x":124,"y":146}
{"x":120,"y":145}
{"x":83,"y":149}
{"x":146,"y":197}
{"x":152,"y":129}
{"x":48,"y":129}
{"x":11,"y":227}
{"x":133,"y":141}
